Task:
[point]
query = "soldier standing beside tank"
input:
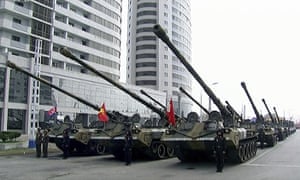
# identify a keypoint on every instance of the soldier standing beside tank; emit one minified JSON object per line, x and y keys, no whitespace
{"x":219,"y":150}
{"x":45,"y":143}
{"x":261,"y":136}
{"x":38,"y":142}
{"x":66,"y":143}
{"x":128,"y":147}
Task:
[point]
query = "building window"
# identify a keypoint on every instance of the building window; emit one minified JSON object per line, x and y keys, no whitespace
{"x":146,"y":64}
{"x":16,"y":119}
{"x":19,"y":3}
{"x":18,"y":87}
{"x":146,"y":46}
{"x":18,"y":21}
{"x":146,"y":73}
{"x":146,"y":55}
{"x":15,"y":38}
{"x":146,"y":82}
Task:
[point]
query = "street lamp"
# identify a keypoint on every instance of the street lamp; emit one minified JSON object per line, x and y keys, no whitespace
{"x":209,"y":99}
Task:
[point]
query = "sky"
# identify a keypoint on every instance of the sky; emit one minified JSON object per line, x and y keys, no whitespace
{"x":254,"y":41}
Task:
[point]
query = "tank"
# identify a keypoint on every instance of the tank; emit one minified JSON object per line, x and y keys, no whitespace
{"x":193,"y":139}
{"x":146,"y":134}
{"x":262,"y":127}
{"x":79,"y":137}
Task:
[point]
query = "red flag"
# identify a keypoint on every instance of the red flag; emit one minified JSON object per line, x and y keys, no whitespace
{"x":52,"y":111}
{"x":171,"y":114}
{"x":102,"y":116}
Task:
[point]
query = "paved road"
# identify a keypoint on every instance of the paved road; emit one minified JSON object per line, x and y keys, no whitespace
{"x":277,"y":163}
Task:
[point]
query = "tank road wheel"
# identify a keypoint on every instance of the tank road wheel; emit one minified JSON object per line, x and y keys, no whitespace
{"x":161,"y":151}
{"x":242,"y":153}
{"x":170,"y":151}
{"x":245,"y":152}
{"x":251,"y":149}
{"x":100,"y":148}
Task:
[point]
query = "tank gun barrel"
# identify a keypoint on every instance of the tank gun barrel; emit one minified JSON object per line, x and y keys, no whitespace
{"x":233,"y":111}
{"x":269,"y":112}
{"x":64,"y":51}
{"x":14,"y":66}
{"x":194,"y":100}
{"x":259,"y":118}
{"x":157,"y":102}
{"x":276,"y":114}
{"x":159,"y":32}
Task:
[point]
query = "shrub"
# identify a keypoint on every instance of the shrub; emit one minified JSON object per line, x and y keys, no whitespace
{"x":9,"y":135}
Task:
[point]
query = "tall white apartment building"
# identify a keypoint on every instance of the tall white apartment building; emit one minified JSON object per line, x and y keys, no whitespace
{"x":150,"y":63}
{"x":31,"y":35}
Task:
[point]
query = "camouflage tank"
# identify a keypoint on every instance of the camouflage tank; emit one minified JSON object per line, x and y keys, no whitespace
{"x":264,"y":129}
{"x":279,"y":131}
{"x":282,"y":127}
{"x":193,"y":139}
{"x":79,"y":138}
{"x":146,"y":134}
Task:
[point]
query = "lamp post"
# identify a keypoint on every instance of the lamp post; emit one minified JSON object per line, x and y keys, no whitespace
{"x":209,"y":99}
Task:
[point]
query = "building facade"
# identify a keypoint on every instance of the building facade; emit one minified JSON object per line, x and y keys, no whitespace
{"x":150,"y":63}
{"x":31,"y":35}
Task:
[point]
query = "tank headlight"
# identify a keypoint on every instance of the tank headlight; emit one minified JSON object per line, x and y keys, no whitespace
{"x":167,"y":132}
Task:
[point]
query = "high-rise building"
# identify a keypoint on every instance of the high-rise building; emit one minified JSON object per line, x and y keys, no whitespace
{"x":150,"y":63}
{"x":31,"y":35}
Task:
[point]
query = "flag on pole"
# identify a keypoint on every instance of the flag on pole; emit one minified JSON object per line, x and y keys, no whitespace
{"x":52,"y":111}
{"x":171,"y":114}
{"x":102,"y":116}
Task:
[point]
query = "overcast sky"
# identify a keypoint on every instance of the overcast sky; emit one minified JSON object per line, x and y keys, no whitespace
{"x":256,"y":41}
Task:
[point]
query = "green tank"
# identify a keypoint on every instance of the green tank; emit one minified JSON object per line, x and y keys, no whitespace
{"x":266,"y":132}
{"x":193,"y":139}
{"x":79,"y":137}
{"x":146,"y":134}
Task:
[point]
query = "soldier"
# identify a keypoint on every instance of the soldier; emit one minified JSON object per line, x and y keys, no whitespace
{"x":128,"y":147}
{"x":38,"y":142}
{"x":219,"y":150}
{"x":261,"y":136}
{"x":45,"y":143}
{"x":66,"y":143}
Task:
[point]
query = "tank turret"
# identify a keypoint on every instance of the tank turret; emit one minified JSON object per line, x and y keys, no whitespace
{"x":195,"y":140}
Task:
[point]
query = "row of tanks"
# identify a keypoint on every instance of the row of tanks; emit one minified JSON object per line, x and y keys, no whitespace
{"x":190,"y":139}
{"x":194,"y":140}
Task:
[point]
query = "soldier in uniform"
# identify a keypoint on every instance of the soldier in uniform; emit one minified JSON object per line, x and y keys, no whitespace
{"x":219,"y":150}
{"x":128,"y":147}
{"x":66,"y":143}
{"x":38,"y":142}
{"x":261,"y":136}
{"x":45,"y":143}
